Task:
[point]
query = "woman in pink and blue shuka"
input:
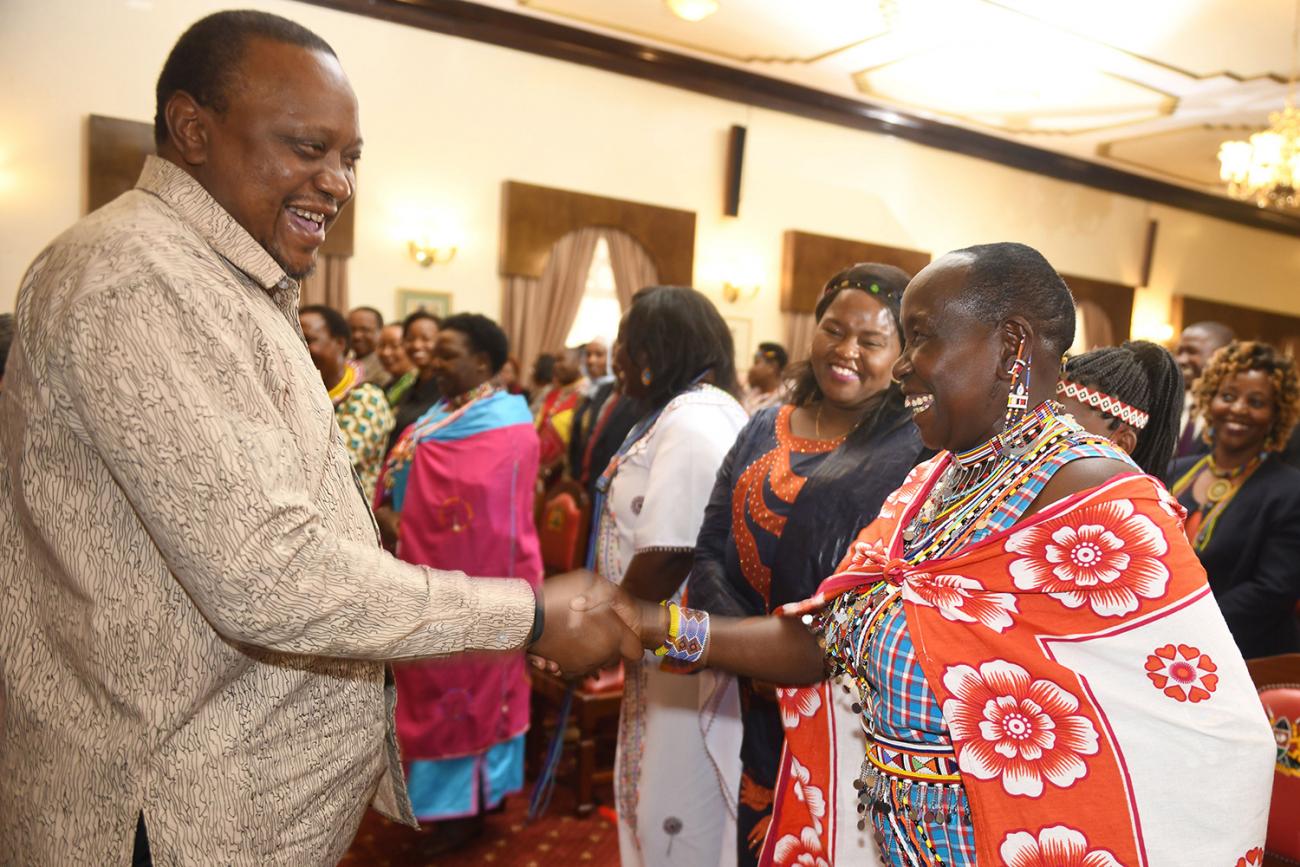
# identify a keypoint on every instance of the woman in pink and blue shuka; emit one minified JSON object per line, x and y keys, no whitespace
{"x":458,"y":491}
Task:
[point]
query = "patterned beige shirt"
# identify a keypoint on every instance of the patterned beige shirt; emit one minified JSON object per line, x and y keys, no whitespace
{"x":193,"y":604}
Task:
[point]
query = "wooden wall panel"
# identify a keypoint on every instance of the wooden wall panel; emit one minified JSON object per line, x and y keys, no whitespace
{"x":1115,"y":300}
{"x":117,"y":149}
{"x":536,"y":217}
{"x":809,"y":260}
{"x":1250,"y":324}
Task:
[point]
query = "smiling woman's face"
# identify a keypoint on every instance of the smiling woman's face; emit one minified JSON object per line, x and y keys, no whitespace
{"x":1242,"y":411}
{"x":854,"y":349}
{"x":950,"y":368}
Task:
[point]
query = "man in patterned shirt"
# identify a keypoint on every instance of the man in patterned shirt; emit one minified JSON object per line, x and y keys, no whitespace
{"x":360,"y":407}
{"x":194,"y":608}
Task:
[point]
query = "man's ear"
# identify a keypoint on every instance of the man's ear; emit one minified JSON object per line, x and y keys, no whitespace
{"x":187,"y":127}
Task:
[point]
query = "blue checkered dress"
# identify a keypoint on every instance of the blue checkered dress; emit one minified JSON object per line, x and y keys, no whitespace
{"x":898,"y":703}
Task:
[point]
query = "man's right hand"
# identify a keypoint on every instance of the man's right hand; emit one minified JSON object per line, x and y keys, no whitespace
{"x":582,"y":638}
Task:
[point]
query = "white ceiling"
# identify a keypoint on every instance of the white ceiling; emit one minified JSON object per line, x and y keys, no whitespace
{"x":1151,"y":86}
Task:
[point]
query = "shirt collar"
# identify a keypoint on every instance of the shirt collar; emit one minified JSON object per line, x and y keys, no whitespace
{"x":196,"y":207}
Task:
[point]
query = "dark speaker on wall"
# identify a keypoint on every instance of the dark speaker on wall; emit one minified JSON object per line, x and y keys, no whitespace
{"x":735,"y":162}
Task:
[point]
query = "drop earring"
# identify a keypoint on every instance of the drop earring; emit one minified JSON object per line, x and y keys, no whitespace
{"x":646,"y":377}
{"x":1018,"y":396}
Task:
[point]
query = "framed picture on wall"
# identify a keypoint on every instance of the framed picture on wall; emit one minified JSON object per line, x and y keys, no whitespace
{"x":411,"y":300}
{"x":742,"y":336}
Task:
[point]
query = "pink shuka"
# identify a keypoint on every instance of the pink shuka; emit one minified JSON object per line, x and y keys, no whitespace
{"x":467,"y":504}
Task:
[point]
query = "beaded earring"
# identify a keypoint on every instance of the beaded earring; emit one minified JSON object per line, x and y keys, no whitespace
{"x":1018,"y":396}
{"x":646,"y":377}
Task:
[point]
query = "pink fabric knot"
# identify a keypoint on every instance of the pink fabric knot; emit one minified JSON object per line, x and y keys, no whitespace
{"x":895,"y":570}
{"x":875,"y":559}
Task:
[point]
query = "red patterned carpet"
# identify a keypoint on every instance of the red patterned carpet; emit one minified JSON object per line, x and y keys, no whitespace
{"x":558,"y":838}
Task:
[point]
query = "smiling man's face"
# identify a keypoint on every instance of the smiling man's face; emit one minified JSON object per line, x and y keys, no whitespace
{"x":281,"y":158}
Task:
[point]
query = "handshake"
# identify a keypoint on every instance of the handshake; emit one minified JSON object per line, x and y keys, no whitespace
{"x":590,"y":623}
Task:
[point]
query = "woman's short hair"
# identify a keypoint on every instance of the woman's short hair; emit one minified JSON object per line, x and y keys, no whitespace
{"x":677,"y":334}
{"x":483,"y":335}
{"x":1008,"y":279}
{"x":1242,"y":356}
{"x":1146,"y":377}
{"x":335,"y":323}
{"x":416,"y":316}
{"x":775,"y":353}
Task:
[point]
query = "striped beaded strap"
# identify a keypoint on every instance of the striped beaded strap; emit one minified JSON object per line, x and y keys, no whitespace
{"x":931,"y":763}
{"x":1130,"y":415}
{"x":688,"y":634}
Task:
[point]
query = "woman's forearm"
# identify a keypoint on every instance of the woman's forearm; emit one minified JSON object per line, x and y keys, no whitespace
{"x":778,"y":650}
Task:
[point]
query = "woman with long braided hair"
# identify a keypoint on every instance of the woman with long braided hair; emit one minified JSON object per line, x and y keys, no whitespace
{"x":1131,"y":394}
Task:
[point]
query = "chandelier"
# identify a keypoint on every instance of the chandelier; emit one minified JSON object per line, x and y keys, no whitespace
{"x":1265,"y":169}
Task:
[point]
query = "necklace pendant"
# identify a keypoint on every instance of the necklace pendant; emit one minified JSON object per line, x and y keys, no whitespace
{"x":1017,"y":452}
{"x":1218,"y":489}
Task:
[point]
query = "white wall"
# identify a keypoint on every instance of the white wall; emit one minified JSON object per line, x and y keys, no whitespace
{"x":447,"y":120}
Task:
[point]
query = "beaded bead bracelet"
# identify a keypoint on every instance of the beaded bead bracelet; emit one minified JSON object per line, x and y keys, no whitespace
{"x":688,"y":634}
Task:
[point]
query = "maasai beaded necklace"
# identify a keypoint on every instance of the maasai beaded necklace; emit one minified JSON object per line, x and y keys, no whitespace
{"x":405,"y":448}
{"x":344,"y":385}
{"x":979,"y":479}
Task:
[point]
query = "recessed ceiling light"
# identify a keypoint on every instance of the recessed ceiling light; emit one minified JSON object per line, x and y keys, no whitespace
{"x":692,"y":10}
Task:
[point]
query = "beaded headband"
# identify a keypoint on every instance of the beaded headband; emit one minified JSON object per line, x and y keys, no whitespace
{"x":1130,"y":415}
{"x":850,"y":283}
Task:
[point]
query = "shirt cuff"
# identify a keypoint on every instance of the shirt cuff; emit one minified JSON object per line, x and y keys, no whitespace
{"x":539,"y":617}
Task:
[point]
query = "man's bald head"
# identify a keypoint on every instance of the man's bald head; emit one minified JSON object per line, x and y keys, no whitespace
{"x":1196,"y":344}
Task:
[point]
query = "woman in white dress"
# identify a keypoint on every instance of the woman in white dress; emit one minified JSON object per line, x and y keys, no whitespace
{"x":678,"y":765}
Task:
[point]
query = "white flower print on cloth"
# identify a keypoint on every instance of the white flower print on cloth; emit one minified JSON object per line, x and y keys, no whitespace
{"x":1182,"y":672}
{"x":808,"y":795}
{"x":802,"y":851}
{"x":1253,"y":858}
{"x":1017,"y":730}
{"x":797,"y":703}
{"x":902,"y":496}
{"x":1056,"y":846}
{"x":1105,"y":556}
{"x":961,"y":599}
{"x":866,"y":556}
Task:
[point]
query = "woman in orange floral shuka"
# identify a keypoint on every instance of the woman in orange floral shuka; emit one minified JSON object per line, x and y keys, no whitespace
{"x":1041,"y":671}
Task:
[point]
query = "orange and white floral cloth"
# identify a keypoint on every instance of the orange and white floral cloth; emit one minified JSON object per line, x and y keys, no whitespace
{"x":1099,"y":709}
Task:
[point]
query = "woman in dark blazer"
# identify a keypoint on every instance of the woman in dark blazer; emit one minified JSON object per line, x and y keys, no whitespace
{"x":1243,"y":502}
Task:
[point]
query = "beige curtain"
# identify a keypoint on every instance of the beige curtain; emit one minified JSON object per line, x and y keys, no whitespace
{"x":328,"y":284}
{"x":538,"y":313}
{"x":633,"y":269}
{"x":518,"y":300}
{"x":799,"y":328}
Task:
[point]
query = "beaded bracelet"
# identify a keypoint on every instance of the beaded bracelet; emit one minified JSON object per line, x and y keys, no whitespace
{"x":674,"y":626}
{"x":688,"y":634}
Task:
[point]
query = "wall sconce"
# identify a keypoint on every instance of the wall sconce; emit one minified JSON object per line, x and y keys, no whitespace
{"x":731,"y":292}
{"x":425,"y":253}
